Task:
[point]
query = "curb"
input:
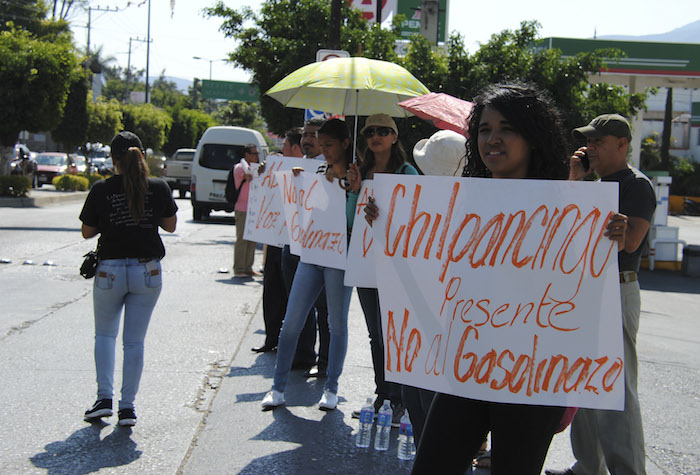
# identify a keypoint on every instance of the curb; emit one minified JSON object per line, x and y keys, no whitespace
{"x":42,"y":199}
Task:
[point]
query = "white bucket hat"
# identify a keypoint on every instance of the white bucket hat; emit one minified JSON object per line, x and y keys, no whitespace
{"x":442,"y":154}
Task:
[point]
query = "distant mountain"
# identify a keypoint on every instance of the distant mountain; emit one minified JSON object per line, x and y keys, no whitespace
{"x":181,"y":84}
{"x":689,"y":33}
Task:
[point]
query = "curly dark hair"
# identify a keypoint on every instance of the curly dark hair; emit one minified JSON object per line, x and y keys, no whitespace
{"x":532,"y":113}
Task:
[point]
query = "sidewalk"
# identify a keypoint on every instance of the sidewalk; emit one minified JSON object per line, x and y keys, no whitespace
{"x":44,"y":196}
{"x":236,"y":436}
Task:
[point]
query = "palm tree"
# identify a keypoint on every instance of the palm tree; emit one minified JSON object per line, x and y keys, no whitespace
{"x":95,"y":61}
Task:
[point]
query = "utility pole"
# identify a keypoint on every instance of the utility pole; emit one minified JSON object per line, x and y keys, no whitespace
{"x":334,"y":33}
{"x":89,"y":23}
{"x":148,"y":48}
{"x":128,"y":68}
{"x":430,"y":20}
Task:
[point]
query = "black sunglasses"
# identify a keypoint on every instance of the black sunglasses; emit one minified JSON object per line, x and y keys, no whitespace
{"x":381,"y":131}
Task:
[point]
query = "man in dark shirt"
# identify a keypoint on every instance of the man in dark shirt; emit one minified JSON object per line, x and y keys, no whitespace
{"x":604,"y":438}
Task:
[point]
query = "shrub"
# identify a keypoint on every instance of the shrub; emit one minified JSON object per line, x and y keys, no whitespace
{"x":155,"y":166}
{"x":685,"y":173}
{"x":686,"y":178}
{"x":14,"y":185}
{"x":71,"y":183}
{"x":92,"y":178}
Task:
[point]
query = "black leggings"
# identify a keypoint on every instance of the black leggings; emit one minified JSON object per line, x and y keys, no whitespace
{"x":456,"y":428}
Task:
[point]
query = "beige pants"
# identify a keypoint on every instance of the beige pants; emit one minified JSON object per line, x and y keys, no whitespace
{"x":243,"y":251}
{"x":614,"y":440}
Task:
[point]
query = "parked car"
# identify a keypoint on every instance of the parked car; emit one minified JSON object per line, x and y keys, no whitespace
{"x":50,"y":165}
{"x":177,"y":170}
{"x":219,"y":150}
{"x":78,"y":164}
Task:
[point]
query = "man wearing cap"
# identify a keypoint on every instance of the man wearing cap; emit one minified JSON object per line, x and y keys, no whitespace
{"x":601,"y":438}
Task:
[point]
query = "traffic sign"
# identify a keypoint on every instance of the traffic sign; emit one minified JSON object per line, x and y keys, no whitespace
{"x":233,"y":91}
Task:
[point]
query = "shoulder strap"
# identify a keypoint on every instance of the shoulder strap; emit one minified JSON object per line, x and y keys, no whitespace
{"x":231,"y":191}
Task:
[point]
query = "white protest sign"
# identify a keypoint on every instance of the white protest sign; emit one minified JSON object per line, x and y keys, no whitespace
{"x":500,"y":290}
{"x":360,"y":270}
{"x":265,"y":219}
{"x":314,"y":209}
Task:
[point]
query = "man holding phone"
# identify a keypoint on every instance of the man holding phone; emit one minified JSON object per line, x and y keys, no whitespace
{"x":605,"y":438}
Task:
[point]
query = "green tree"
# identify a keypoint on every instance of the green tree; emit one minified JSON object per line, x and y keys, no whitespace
{"x":427,"y":63}
{"x":165,"y":94}
{"x":241,"y":114}
{"x":104,"y":119}
{"x":116,"y":83}
{"x":519,"y":56}
{"x":151,"y":124}
{"x":283,"y":37}
{"x":459,"y":65}
{"x":26,"y":15}
{"x":35,"y":77}
{"x":71,"y":131}
{"x":188,"y":127}
{"x":62,"y":9}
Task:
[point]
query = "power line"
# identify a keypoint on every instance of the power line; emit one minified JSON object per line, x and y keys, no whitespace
{"x":97,"y":9}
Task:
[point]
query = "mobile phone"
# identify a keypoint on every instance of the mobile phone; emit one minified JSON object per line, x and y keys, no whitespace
{"x":585,"y":162}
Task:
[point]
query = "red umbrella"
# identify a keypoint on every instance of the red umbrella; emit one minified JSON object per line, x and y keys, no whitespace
{"x":445,"y":111}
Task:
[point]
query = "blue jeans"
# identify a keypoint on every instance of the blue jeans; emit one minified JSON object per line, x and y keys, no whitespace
{"x":305,"y":353}
{"x":133,"y":286}
{"x":309,"y":280}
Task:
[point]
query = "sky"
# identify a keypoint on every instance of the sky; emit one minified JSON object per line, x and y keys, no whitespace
{"x":179,"y":36}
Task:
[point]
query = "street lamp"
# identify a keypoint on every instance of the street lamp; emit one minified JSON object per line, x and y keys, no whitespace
{"x":210,"y":62}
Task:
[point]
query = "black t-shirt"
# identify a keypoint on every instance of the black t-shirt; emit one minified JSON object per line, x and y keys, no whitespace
{"x":637,"y":199}
{"x":120,"y":236}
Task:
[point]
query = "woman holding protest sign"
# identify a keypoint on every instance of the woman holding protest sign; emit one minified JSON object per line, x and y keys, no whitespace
{"x":384,"y":154}
{"x":514,"y":131}
{"x":310,"y":280}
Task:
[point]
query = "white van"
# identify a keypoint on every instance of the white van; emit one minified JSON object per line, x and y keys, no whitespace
{"x":219,"y":150}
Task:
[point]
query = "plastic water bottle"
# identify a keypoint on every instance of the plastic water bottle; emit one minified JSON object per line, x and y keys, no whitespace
{"x":381,"y":440}
{"x":364,"y":434}
{"x":406,"y":449}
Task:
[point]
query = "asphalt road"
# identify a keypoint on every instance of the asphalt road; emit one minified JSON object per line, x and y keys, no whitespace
{"x":199,"y":402}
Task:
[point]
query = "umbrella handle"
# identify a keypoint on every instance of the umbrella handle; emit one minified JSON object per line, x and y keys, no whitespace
{"x":344,"y":183}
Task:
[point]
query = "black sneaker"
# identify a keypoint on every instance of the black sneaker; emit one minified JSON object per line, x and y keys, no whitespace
{"x":101,"y":408}
{"x":127,"y":417}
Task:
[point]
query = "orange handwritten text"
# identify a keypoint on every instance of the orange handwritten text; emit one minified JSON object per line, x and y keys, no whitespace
{"x":313,"y":237}
{"x":266,"y":219}
{"x":565,"y":240}
{"x":515,"y":373}
{"x":292,"y":194}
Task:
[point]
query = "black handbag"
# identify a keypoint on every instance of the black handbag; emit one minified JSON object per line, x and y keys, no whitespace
{"x":89,"y":267}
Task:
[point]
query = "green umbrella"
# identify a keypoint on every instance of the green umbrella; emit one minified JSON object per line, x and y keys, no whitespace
{"x":349,"y":86}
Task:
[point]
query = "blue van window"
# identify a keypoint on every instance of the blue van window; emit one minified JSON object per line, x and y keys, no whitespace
{"x":220,"y":156}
